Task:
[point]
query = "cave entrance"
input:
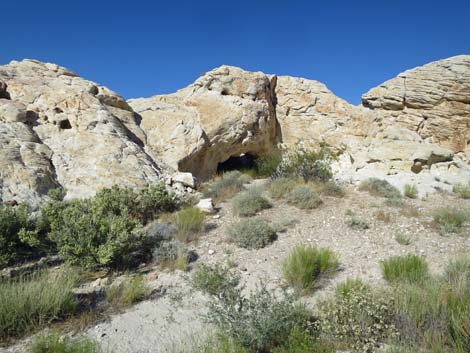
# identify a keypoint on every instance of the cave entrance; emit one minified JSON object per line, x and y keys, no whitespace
{"x":245,"y":161}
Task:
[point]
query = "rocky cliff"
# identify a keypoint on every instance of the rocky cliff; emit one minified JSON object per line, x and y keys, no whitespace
{"x":57,"y":129}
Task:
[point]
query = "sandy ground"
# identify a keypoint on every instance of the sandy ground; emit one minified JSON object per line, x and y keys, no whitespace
{"x":160,"y":324}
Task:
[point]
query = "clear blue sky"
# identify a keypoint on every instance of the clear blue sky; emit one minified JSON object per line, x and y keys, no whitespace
{"x":141,"y":48}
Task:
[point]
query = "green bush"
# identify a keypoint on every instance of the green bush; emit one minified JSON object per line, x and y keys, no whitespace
{"x":252,"y":233}
{"x":171,"y":254}
{"x":57,"y":194}
{"x":462,"y":190}
{"x":128,"y":292}
{"x":411,"y":191}
{"x":305,"y":265}
{"x":359,"y":317}
{"x":212,"y":343}
{"x":450,"y":220}
{"x":280,"y":187}
{"x":379,"y":187}
{"x":306,"y":164}
{"x":358,"y":223}
{"x":214,"y":279}
{"x":228,"y":185}
{"x":189,"y":222}
{"x":331,"y":188}
{"x":350,"y":286}
{"x":267,"y":165}
{"x":301,"y":341}
{"x":22,"y":237}
{"x":304,"y":198}
{"x":53,"y":343}
{"x":249,"y":202}
{"x":259,"y":321}
{"x":34,"y":301}
{"x":409,"y":268}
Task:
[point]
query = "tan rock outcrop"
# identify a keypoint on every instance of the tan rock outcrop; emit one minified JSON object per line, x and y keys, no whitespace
{"x":225,"y":113}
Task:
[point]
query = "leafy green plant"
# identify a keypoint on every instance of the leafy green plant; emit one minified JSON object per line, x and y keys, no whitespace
{"x":127,"y":292}
{"x":379,"y":187}
{"x":252,"y":233}
{"x":358,"y":223}
{"x":35,"y":300}
{"x":411,"y":191}
{"x":301,"y":341}
{"x":462,"y":190}
{"x":449,"y":219}
{"x":259,"y":321}
{"x":214,"y":279}
{"x":304,"y":198}
{"x":280,"y":187}
{"x":57,"y":194}
{"x":306,"y":164}
{"x":54,"y":343}
{"x":189,"y":222}
{"x":228,"y":185}
{"x":249,"y":202}
{"x":409,"y":268}
{"x":306,"y":264}
{"x":267,"y":165}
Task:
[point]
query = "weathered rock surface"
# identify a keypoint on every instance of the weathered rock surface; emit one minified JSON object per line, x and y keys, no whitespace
{"x":225,"y":113}
{"x":59,"y":129}
{"x":433,"y":100}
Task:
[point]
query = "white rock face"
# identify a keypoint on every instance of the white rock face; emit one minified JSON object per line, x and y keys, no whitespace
{"x":186,"y":179}
{"x":206,"y":205}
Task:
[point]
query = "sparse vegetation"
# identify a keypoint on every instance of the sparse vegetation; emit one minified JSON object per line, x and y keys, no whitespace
{"x":214,"y":279}
{"x":34,"y":301}
{"x":280,"y":187}
{"x":403,"y":239}
{"x":228,"y":185}
{"x":411,"y":191}
{"x":127,"y":292}
{"x":252,"y":233}
{"x":379,"y":187}
{"x":383,"y":216}
{"x":306,"y":264}
{"x":249,"y":202}
{"x":358,"y":223}
{"x":189,"y":222}
{"x":171,"y":254}
{"x":449,"y":219}
{"x":409,"y":268}
{"x":54,"y":343}
{"x":304,"y":198}
{"x":334,"y":189}
{"x":462,"y":190}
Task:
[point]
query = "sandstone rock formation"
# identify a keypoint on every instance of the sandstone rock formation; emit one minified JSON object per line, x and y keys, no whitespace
{"x":225,"y":113}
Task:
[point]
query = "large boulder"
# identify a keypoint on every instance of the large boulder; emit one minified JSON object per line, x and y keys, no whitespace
{"x":58,"y":129}
{"x":225,"y":113}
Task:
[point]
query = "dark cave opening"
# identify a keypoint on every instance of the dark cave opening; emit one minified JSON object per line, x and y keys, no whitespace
{"x":65,"y":124}
{"x":242,"y":162}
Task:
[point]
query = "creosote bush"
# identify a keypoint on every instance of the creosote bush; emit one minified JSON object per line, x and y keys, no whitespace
{"x":306,"y":264}
{"x":449,"y":219}
{"x":280,"y":187}
{"x":411,"y":191}
{"x":304,"y":198}
{"x":128,"y":292}
{"x":189,"y":222}
{"x":462,"y":190}
{"x":54,"y":343}
{"x":249,"y":202}
{"x":409,"y":268}
{"x":379,"y":187}
{"x":214,"y":279}
{"x":35,"y":300}
{"x":228,"y":185}
{"x":252,"y":233}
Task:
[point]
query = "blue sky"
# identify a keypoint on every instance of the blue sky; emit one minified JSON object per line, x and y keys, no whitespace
{"x":141,"y":48}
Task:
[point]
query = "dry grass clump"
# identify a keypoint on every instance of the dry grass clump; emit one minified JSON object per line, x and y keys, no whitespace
{"x":189,"y":223}
{"x":450,"y":220}
{"x":333,"y":189}
{"x":411,"y":191}
{"x":280,"y":187}
{"x":54,"y":343}
{"x":228,"y":185}
{"x":250,"y":202}
{"x":383,"y":216}
{"x":462,"y":190}
{"x":304,"y":197}
{"x":128,"y":292}
{"x":409,"y":268}
{"x":379,"y":187}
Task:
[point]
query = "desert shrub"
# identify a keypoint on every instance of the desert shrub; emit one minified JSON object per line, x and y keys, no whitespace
{"x":267,"y":165}
{"x":359,"y":317}
{"x":283,"y":223}
{"x":35,"y":300}
{"x":259,"y":321}
{"x":306,"y":164}
{"x":379,"y":187}
{"x":228,"y":185}
{"x":403,"y":239}
{"x":249,"y":202}
{"x":306,"y":264}
{"x":350,"y":286}
{"x":22,"y":236}
{"x":57,"y":194}
{"x":301,"y":341}
{"x":214,"y":279}
{"x":358,"y":223}
{"x":127,"y":292}
{"x":411,"y":191}
{"x":280,"y":187}
{"x":462,"y":190}
{"x":252,"y":233}
{"x":449,"y":219}
{"x":304,"y":198}
{"x":54,"y":343}
{"x":212,"y":343}
{"x":189,"y":221}
{"x":458,"y":270}
{"x":172,"y":254}
{"x":334,"y":189}
{"x":409,"y":268}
